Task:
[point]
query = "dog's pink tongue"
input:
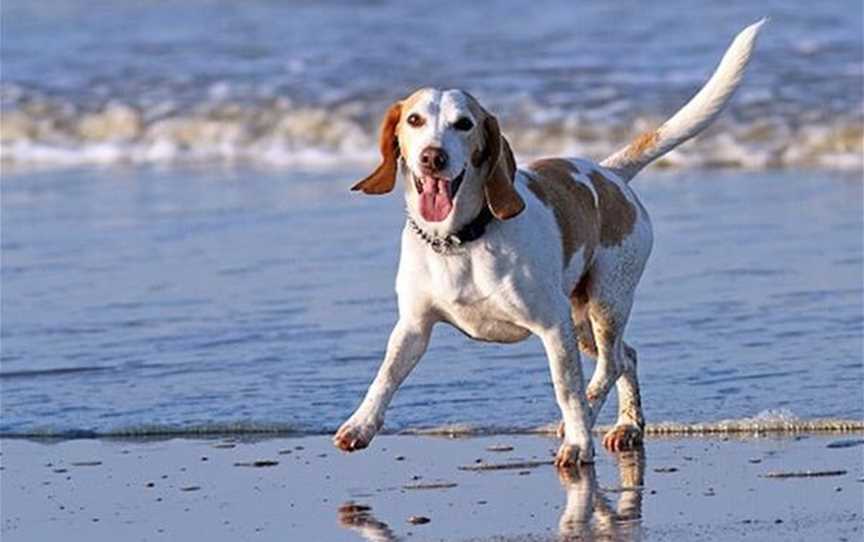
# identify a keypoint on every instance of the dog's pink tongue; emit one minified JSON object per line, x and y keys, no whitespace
{"x":435,"y":203}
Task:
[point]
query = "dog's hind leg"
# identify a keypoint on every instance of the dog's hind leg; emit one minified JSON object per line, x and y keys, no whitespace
{"x":610,"y":299}
{"x":600,"y":305}
{"x":607,"y":371}
{"x":628,"y":430}
{"x":616,"y":364}
{"x":627,"y":433}
{"x":614,"y":276}
{"x":607,"y":322}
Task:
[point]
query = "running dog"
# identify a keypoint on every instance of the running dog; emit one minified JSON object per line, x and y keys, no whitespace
{"x":555,"y":248}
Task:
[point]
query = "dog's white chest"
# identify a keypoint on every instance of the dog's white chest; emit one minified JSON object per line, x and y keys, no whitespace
{"x":471,"y":296}
{"x":484,"y":321}
{"x":455,"y":280}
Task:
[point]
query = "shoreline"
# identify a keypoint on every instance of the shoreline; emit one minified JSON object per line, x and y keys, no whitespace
{"x":493,"y":487}
{"x":755,"y":426}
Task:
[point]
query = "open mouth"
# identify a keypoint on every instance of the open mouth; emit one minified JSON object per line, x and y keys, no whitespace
{"x":436,"y":195}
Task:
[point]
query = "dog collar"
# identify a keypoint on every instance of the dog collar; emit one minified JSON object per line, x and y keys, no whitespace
{"x":470,"y":232}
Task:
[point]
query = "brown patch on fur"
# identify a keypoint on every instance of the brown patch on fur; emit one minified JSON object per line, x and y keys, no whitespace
{"x":383,"y":179}
{"x":579,"y":298}
{"x":501,"y":195}
{"x":642,"y":144}
{"x":494,"y":154}
{"x":585,"y":336}
{"x":572,"y":203}
{"x":479,"y":156}
{"x":617,"y":214}
{"x":579,"y":295}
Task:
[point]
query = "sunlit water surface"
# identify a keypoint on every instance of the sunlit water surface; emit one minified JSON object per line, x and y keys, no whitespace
{"x":149,"y":299}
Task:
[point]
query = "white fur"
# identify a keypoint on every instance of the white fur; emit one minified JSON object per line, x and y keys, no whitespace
{"x":513,"y":281}
{"x":440,"y":109}
{"x":699,"y":112}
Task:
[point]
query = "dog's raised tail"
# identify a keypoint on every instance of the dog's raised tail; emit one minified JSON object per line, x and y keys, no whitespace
{"x":694,"y":117}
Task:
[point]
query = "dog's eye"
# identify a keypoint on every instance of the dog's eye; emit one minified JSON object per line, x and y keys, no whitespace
{"x":416,"y":120}
{"x":464,"y":124}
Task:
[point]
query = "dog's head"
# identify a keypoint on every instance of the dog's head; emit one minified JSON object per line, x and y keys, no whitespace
{"x":452,"y":157}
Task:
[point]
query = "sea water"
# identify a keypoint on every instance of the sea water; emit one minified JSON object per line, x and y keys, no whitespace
{"x":151,"y":300}
{"x":300,"y":83}
{"x":180,"y":251}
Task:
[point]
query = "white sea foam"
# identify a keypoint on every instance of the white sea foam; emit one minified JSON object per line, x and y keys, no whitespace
{"x":46,"y":133}
{"x":780,"y":421}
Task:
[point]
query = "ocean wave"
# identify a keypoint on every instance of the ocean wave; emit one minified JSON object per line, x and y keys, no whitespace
{"x":41,"y":131}
{"x":776,"y":422}
{"x":780,"y":422}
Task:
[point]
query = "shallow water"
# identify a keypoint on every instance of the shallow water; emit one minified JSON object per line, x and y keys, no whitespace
{"x":299,"y":82}
{"x":102,"y":490}
{"x":193,"y":299}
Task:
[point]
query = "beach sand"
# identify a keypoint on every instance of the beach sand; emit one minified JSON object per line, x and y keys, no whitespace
{"x":430,"y":488}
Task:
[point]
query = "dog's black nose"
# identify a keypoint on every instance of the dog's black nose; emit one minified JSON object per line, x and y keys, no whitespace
{"x":433,"y":159}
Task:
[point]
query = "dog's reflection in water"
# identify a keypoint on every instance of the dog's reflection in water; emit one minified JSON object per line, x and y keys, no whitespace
{"x":588,"y":513}
{"x":359,"y":518}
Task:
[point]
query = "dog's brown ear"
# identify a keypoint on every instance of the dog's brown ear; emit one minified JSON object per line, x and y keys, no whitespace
{"x":501,"y":195}
{"x":383,"y":179}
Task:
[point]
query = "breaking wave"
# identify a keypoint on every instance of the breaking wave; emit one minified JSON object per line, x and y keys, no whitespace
{"x":36,"y":130}
{"x":780,"y":422}
{"x":776,"y":422}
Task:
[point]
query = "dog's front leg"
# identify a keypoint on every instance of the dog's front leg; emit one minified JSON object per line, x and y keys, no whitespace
{"x":407,"y":344}
{"x":565,"y":367}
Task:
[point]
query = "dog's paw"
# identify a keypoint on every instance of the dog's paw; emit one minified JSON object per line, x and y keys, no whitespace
{"x":571,"y":455}
{"x":623,"y":437}
{"x":354,"y":436}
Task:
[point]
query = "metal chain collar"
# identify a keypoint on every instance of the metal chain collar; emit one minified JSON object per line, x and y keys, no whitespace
{"x":440,"y":245}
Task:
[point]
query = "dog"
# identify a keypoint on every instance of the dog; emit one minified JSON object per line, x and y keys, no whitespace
{"x":554,"y":249}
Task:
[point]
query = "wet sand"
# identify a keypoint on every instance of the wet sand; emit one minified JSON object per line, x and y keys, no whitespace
{"x":806,"y":487}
